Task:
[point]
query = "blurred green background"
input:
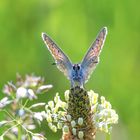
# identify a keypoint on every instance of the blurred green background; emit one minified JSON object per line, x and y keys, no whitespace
{"x":74,"y":24}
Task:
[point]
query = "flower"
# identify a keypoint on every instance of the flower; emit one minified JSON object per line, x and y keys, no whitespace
{"x":80,"y":121}
{"x":4,"y":101}
{"x":67,"y":95}
{"x":3,"y":123}
{"x":21,"y":92}
{"x":44,"y":88}
{"x":51,"y":104}
{"x":1,"y":138}
{"x":37,"y":105}
{"x":38,"y":116}
{"x":74,"y":131}
{"x":49,"y":117}
{"x":77,"y":114}
{"x":54,"y":128}
{"x":93,"y":97}
{"x":32,"y":81}
{"x":68,"y":117}
{"x":73,"y":123}
{"x":65,"y":129}
{"x":104,"y":116}
{"x":9,"y":88}
{"x":31,"y":94}
{"x":27,"y":87}
{"x":80,"y":134}
{"x":19,"y":113}
{"x":59,"y":125}
{"x":37,"y":137}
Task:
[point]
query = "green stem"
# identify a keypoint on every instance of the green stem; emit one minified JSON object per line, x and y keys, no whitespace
{"x":25,"y":103}
{"x":10,"y":115}
{"x":108,"y":136}
{"x":31,"y":133}
{"x":8,"y":130}
{"x":19,"y":132}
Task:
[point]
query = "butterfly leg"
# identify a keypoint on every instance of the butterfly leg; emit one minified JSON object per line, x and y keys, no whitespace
{"x":72,"y":84}
{"x":81,"y":84}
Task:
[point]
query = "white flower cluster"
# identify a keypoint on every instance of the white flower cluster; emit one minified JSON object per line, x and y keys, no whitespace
{"x":103,"y":114}
{"x":56,"y":112}
{"x":57,"y":116}
{"x":26,"y":88}
{"x":18,"y":112}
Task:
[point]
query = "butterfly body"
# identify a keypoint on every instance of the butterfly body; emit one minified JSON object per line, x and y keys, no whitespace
{"x":78,"y":74}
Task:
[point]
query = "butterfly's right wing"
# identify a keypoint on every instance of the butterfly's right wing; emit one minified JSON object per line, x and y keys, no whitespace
{"x":63,"y":63}
{"x":91,"y":58}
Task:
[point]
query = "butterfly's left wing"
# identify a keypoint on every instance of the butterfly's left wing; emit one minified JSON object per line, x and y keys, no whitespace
{"x":62,"y":61}
{"x":91,"y":58}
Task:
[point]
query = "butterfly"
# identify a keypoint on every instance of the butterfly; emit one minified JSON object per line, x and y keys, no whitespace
{"x":78,"y":74}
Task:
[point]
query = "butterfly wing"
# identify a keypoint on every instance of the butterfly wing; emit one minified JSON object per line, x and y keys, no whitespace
{"x":62,"y":61}
{"x":91,"y":58}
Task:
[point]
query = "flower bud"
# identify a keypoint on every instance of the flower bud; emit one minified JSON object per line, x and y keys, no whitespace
{"x":80,"y":121}
{"x":49,"y":118}
{"x":54,"y":128}
{"x":51,"y":104}
{"x":59,"y":125}
{"x":67,"y":95}
{"x":68,"y":117}
{"x":73,"y":123}
{"x":65,"y":129}
{"x":80,"y":134}
{"x":74,"y":131}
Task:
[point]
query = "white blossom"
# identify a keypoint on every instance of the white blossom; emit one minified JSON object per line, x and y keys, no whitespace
{"x":31,"y":94}
{"x":37,"y":137}
{"x":3,"y":123}
{"x":37,"y":105}
{"x":67,"y":95}
{"x":21,"y":92}
{"x":1,"y":138}
{"x":38,"y":116}
{"x":4,"y":101}
{"x":44,"y":88}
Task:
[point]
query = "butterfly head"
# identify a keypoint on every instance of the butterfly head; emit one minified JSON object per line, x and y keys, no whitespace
{"x":76,"y":67}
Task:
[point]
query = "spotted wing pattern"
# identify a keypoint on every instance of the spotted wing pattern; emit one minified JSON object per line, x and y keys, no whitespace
{"x":91,"y":58}
{"x":62,"y":61}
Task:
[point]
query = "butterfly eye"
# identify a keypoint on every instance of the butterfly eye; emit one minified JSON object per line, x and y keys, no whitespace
{"x":78,"y":67}
{"x":73,"y":67}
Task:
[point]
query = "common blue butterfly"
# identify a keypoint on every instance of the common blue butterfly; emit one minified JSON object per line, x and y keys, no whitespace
{"x":78,"y":74}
